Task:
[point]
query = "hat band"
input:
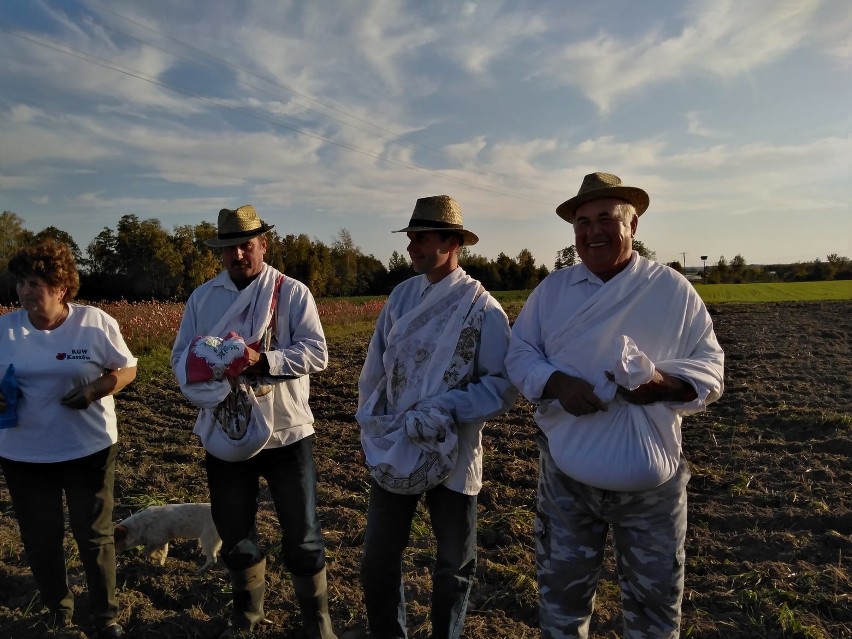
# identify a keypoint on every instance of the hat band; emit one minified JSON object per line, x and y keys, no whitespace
{"x":231,"y":236}
{"x":415,"y":221}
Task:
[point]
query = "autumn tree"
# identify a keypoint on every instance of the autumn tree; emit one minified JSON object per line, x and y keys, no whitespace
{"x":200,"y":262}
{"x":13,"y":236}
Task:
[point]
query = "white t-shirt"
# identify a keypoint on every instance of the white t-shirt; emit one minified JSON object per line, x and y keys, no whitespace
{"x":50,"y":364}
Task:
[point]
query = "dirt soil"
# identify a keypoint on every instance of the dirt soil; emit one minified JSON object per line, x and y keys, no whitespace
{"x":769,"y":542}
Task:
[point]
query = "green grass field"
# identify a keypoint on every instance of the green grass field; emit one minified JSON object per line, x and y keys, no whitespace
{"x":775,"y":292}
{"x":838,"y":290}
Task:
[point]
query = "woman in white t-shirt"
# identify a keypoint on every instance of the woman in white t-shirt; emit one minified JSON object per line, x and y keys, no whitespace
{"x":68,"y":360}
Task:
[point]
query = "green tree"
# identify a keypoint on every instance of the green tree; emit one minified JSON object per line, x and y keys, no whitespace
{"x":399,"y":270}
{"x":482,"y":269}
{"x":372,"y":275}
{"x":720,"y":272}
{"x":507,"y":268}
{"x":103,"y":253}
{"x":58,"y":235}
{"x":644,"y":251}
{"x":527,"y":273}
{"x":737,"y":270}
{"x":148,"y":258}
{"x":565,"y":257}
{"x":344,"y":256}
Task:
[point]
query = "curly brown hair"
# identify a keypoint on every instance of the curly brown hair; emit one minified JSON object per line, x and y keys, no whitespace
{"x":51,"y":261}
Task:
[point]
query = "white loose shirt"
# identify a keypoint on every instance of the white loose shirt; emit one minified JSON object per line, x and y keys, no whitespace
{"x":489,"y":393}
{"x":572,"y":322}
{"x":298,"y":347}
{"x":49,"y":365}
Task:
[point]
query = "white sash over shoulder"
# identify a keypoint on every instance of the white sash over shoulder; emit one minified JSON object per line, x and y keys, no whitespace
{"x":411,"y":443}
{"x":630,"y":326}
{"x":248,"y":317}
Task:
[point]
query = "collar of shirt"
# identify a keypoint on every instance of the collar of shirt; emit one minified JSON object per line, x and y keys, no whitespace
{"x":580,"y":273}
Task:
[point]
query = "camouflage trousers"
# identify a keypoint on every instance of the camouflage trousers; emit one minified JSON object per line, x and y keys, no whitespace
{"x":648,"y":532}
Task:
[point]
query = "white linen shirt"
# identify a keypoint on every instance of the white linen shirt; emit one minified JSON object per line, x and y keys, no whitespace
{"x":571,"y":323}
{"x":489,"y":393}
{"x":298,"y":348}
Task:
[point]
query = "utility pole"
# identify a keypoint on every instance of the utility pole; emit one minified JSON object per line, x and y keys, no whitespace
{"x":684,"y":262}
{"x":704,"y":272}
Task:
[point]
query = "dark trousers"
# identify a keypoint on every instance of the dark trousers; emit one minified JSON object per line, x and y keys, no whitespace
{"x":36,"y":490}
{"x":291,"y":476}
{"x":389,"y":517}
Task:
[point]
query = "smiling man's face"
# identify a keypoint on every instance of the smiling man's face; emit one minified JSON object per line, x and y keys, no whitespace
{"x":603,"y":235}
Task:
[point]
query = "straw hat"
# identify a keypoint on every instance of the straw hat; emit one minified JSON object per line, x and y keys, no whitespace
{"x":438,"y":213}
{"x":602,"y":185}
{"x":238,"y":226}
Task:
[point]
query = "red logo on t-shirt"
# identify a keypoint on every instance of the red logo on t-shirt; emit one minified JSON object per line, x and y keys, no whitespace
{"x":60,"y":356}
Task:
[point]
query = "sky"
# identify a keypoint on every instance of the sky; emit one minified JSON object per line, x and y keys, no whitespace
{"x":734,"y":116}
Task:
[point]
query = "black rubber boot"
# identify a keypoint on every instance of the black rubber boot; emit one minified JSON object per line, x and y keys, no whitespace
{"x":248,"y":587}
{"x":312,"y":594}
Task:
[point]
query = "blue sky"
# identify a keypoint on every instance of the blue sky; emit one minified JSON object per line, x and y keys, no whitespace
{"x":734,"y":116}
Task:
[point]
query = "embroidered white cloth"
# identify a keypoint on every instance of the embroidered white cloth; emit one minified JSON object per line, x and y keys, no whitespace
{"x":235,"y":418}
{"x":411,"y":444}
{"x":258,"y":298}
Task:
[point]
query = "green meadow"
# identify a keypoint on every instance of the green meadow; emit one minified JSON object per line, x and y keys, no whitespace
{"x":838,"y":290}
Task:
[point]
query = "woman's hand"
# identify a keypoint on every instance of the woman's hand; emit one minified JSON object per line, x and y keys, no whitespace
{"x":80,"y":397}
{"x":107,"y":384}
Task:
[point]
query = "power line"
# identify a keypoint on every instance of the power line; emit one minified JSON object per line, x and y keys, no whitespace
{"x":388,"y":134}
{"x":98,"y":61}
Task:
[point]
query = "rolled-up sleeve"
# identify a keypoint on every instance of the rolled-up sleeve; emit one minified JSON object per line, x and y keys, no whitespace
{"x":300,"y":347}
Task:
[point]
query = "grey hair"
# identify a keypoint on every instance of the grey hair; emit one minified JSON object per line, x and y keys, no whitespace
{"x":626,"y":212}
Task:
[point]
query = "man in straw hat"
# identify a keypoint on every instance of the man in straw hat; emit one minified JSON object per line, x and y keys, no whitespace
{"x":433,"y":375}
{"x":614,"y":351}
{"x":251,"y":337}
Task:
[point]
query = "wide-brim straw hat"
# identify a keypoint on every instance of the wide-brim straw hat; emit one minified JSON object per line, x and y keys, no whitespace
{"x":237,"y":226}
{"x":439,"y":213}
{"x":602,"y":185}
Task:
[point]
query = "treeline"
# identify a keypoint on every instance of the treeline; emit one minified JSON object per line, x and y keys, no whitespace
{"x":739,"y":271}
{"x":140,"y":260}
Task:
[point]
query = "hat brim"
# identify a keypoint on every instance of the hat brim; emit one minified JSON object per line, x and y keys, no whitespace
{"x":470,"y":238}
{"x":216,"y":242}
{"x":631,"y":194}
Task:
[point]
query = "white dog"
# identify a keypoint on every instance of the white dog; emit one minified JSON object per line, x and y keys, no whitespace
{"x":156,"y":526}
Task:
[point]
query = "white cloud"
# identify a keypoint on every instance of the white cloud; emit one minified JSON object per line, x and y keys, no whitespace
{"x":722,"y":37}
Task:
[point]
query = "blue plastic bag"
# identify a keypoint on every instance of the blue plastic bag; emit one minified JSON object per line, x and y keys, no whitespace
{"x":9,"y":388}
